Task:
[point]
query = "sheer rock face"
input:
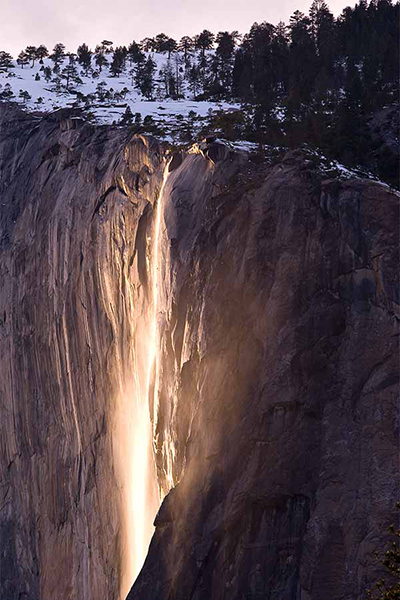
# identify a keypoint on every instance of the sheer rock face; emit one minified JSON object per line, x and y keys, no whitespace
{"x":281,"y":342}
{"x":71,"y":200}
{"x":278,"y":377}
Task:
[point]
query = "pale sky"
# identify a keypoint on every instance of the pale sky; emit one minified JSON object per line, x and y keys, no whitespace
{"x":72,"y":22}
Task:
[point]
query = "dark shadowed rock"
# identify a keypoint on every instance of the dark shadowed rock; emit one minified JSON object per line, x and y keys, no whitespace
{"x":175,"y":161}
{"x":211,"y":149}
{"x":217,"y":152}
{"x":285,"y":423}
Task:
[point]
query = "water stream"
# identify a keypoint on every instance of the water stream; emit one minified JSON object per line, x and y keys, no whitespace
{"x":134,"y":432}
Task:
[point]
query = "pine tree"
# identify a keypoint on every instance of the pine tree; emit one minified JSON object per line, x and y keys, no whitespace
{"x":186,"y":45}
{"x":303,"y":61}
{"x":204,"y":41}
{"x":165,"y":81}
{"x":144,"y":77}
{"x":171,"y":46}
{"x":258,"y":45}
{"x":84,"y":57}
{"x":22,"y":59}
{"x":194,"y":80}
{"x":323,"y":32}
{"x":242,"y":75}
{"x":225,"y":45}
{"x":24,"y":95}
{"x":72,"y":57}
{"x":57,"y":84}
{"x":7,"y":93}
{"x":171,"y":78}
{"x":127,"y":117}
{"x":47,"y":74}
{"x":224,"y":53}
{"x":31,"y":53}
{"x":41,"y":53}
{"x":179,"y":64}
{"x":57,"y":56}
{"x":212,"y":85}
{"x":99,"y":57}
{"x":148,"y":45}
{"x":148,"y":80}
{"x":160,"y":43}
{"x":149,"y":124}
{"x":134,"y":52}
{"x":118,"y":61}
{"x":6,"y":61}
{"x":202,"y":67}
{"x":101,"y":91}
{"x":350,"y":134}
{"x":140,"y":59}
{"x":280,"y":59}
{"x":107,"y":47}
{"x":69,"y":73}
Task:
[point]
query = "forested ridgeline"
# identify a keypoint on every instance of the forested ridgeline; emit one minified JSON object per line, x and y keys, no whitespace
{"x":329,"y":82}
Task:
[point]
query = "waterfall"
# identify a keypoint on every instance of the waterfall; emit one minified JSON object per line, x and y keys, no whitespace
{"x":134,"y":432}
{"x":154,"y":358}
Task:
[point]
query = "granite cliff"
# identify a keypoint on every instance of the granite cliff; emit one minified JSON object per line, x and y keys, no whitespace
{"x":276,"y":413}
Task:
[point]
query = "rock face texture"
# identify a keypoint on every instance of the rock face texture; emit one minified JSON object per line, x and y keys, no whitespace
{"x":280,"y":347}
{"x":276,"y":417}
{"x":69,"y":282}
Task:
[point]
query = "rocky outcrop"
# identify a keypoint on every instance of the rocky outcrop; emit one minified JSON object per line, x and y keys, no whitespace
{"x":278,"y":321}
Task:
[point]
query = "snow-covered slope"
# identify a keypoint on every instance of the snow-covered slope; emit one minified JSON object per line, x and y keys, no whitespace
{"x":48,"y":96}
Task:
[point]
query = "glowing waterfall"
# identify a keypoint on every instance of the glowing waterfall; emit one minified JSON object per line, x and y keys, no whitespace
{"x":134,"y":434}
{"x":153,"y":365}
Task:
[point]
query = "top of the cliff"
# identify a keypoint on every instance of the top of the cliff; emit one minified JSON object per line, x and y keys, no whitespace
{"x":19,"y":124}
{"x":276,"y":85}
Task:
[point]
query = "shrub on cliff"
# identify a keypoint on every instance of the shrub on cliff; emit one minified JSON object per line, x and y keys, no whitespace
{"x":388,"y":587}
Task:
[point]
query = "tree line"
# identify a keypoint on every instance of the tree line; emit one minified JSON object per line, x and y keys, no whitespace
{"x":315,"y":59}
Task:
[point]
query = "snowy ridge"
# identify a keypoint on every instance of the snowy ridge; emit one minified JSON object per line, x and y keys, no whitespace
{"x":105,"y":97}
